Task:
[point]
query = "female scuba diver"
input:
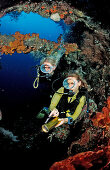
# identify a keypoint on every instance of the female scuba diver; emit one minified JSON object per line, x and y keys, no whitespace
{"x":68,"y":101}
{"x":68,"y":107}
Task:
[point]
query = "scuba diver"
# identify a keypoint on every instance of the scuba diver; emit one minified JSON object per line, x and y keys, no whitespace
{"x":48,"y":64}
{"x":68,"y":106}
{"x":68,"y":101}
{"x":45,"y":70}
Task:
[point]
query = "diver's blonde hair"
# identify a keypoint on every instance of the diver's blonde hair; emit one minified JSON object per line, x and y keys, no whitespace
{"x":48,"y":59}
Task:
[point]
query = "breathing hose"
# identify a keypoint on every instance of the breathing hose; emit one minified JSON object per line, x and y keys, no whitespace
{"x":36,"y":81}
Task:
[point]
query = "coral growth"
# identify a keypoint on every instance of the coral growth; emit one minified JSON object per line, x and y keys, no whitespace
{"x":86,"y":160}
{"x":97,"y":136}
{"x":71,"y":47}
{"x":18,"y":44}
{"x":102,"y":119}
{"x":96,"y":47}
{"x":93,"y":61}
{"x":97,"y":129}
{"x":26,"y":43}
{"x":46,"y":9}
{"x":2,"y":14}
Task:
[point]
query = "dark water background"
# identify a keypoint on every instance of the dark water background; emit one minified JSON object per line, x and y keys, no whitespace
{"x":16,"y":74}
{"x":16,"y":81}
{"x":19,"y":101}
{"x":28,"y":100}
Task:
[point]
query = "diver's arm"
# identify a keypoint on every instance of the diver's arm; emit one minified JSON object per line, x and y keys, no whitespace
{"x":78,"y":110}
{"x":56,"y":98}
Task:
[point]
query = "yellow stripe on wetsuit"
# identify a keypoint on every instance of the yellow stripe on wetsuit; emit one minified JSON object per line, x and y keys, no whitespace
{"x":56,"y":98}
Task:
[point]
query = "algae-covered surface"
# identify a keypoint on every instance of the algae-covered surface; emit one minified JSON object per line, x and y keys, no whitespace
{"x":28,"y":33}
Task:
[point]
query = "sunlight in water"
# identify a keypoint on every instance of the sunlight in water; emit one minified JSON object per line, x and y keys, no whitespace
{"x":30,"y":23}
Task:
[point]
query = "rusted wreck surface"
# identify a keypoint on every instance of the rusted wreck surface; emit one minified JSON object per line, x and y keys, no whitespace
{"x":99,"y":159}
{"x":94,"y":144}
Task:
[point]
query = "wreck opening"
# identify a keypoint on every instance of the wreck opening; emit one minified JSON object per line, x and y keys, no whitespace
{"x":16,"y":88}
{"x":31,"y":22}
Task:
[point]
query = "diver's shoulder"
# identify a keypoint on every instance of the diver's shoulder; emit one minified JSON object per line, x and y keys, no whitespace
{"x":61,"y":89}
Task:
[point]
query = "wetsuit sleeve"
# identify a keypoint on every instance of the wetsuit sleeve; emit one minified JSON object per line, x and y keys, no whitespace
{"x":56,"y":98}
{"x":78,"y":110}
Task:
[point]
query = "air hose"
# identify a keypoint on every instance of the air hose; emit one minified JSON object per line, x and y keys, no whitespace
{"x":36,"y":81}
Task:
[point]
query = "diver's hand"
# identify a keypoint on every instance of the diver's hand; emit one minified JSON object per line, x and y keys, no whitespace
{"x":54,"y":113}
{"x":62,"y":121}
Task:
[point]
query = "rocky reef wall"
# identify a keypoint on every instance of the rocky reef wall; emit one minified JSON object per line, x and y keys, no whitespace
{"x":91,"y":57}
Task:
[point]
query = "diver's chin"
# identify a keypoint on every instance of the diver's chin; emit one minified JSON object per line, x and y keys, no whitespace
{"x":51,"y":73}
{"x":71,"y":90}
{"x":71,"y":93}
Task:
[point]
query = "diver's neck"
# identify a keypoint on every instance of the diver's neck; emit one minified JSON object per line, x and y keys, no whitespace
{"x":75,"y":92}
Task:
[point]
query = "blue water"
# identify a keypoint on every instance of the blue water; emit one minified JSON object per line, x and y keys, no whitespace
{"x":15,"y":75}
{"x":16,"y":83}
{"x":31,"y":23}
{"x":16,"y":78}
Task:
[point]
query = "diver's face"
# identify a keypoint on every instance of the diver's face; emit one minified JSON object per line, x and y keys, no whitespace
{"x":73,"y":84}
{"x":48,"y":67}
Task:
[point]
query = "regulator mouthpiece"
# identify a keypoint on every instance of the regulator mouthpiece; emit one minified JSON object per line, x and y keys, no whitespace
{"x":69,"y":83}
{"x":46,"y":68}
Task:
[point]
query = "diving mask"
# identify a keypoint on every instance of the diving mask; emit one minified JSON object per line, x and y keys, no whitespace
{"x":46,"y":68}
{"x":69,"y":83}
